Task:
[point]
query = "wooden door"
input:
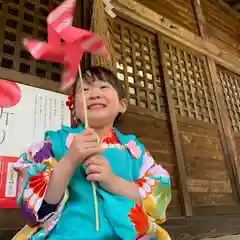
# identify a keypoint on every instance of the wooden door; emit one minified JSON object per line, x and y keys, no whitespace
{"x":228,"y":86}
{"x":210,"y":182}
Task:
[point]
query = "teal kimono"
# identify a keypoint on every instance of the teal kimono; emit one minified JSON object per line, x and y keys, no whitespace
{"x":74,"y":218}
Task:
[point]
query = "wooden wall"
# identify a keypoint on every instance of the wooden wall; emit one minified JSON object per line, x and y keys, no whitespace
{"x":179,"y":11}
{"x":222,"y":27}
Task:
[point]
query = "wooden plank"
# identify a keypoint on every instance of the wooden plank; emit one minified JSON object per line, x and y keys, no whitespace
{"x":176,"y":138}
{"x":207,"y":173}
{"x":208,"y":186}
{"x":213,"y":199}
{"x":206,"y":146}
{"x":178,"y":11}
{"x":216,"y":210}
{"x":199,"y":127}
{"x":202,"y":227}
{"x":156,"y":130}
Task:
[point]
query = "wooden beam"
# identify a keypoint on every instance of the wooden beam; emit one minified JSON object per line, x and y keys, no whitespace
{"x":185,"y":196}
{"x":201,"y":23}
{"x":30,"y":80}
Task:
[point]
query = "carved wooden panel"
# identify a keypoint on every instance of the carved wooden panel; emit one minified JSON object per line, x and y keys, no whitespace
{"x":187,"y":74}
{"x":231,"y":90}
{"x":25,"y":19}
{"x":138,"y":65}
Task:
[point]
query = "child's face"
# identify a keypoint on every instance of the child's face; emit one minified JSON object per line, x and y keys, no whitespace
{"x":103,"y":104}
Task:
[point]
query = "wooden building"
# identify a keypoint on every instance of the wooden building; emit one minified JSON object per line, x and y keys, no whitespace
{"x":180,"y":63}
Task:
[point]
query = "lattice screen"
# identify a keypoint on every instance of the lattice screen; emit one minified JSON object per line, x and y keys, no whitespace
{"x":22,"y":18}
{"x":188,"y":76}
{"x":231,"y":88}
{"x":137,"y":65}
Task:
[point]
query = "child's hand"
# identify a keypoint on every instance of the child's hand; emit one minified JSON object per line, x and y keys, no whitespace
{"x":98,"y":169}
{"x":83,"y":146}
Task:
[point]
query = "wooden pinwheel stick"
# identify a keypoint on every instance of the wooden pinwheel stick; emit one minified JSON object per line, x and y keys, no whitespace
{"x":86,"y":126}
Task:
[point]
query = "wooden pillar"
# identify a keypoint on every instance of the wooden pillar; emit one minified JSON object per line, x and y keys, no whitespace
{"x":82,"y":19}
{"x":100,"y":26}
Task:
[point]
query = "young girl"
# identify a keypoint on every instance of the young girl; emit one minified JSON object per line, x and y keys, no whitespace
{"x":56,"y":192}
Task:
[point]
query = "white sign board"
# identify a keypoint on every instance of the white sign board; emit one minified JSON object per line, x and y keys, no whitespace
{"x":24,"y":124}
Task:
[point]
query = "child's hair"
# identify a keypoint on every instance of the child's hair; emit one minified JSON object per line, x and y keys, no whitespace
{"x":92,"y":74}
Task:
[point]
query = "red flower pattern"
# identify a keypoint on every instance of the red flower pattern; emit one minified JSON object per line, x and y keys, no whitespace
{"x":140,"y":221}
{"x":111,"y":139}
{"x":36,"y":189}
{"x":39,"y":183}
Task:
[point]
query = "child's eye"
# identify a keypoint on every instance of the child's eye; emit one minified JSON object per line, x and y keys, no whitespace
{"x":86,"y":89}
{"x":103,"y":87}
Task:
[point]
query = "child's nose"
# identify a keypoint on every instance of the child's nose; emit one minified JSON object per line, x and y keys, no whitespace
{"x":93,"y":97}
{"x":94,"y":93}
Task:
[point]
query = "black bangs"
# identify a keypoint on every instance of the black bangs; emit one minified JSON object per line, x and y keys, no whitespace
{"x":93,"y":74}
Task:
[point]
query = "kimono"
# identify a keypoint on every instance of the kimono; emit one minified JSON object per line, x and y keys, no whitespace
{"x":74,"y":216}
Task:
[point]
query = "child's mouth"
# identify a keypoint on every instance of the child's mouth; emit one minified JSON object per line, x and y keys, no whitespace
{"x":96,"y":106}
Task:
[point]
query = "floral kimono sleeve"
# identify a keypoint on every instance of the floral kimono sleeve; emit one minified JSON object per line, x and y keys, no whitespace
{"x":35,"y":168}
{"x":155,"y":188}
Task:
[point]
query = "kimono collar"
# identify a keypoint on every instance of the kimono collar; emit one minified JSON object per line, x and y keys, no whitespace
{"x":114,"y":134}
{"x":128,"y":141}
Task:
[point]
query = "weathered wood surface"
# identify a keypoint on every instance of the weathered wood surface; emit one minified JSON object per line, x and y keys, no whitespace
{"x":179,"y":11}
{"x":222,"y":27}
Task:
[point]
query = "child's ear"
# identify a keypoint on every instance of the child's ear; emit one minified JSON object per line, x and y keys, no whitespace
{"x":123,"y":105}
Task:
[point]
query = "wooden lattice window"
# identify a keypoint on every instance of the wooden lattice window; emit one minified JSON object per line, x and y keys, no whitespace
{"x":25,"y":18}
{"x":137,"y":65}
{"x":231,"y":88}
{"x":188,"y":76}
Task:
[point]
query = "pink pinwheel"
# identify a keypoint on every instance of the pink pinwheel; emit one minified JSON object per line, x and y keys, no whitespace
{"x":66,"y":44}
{"x":10,"y":94}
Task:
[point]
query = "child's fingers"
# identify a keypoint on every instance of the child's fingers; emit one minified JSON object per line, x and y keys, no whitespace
{"x":96,"y":177}
{"x":89,"y":145}
{"x":94,"y":151}
{"x":91,"y":138}
{"x":93,"y":169}
{"x":96,"y":160}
